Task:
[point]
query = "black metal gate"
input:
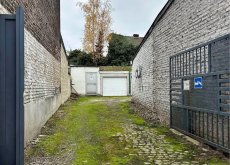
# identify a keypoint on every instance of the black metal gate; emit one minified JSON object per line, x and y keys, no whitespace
{"x":11,"y":89}
{"x":200,"y":92}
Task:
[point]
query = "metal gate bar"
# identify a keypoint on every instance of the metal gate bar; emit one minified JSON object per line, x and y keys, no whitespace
{"x":221,"y":140}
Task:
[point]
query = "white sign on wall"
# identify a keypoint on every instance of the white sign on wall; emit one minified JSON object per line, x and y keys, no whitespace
{"x":186,"y":85}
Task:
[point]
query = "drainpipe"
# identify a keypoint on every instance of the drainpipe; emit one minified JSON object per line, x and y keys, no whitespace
{"x":130,"y":83}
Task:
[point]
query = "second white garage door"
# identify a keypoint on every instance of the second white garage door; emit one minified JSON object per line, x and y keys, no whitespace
{"x":114,"y":86}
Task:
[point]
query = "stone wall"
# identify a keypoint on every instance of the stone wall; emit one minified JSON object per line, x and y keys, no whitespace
{"x":187,"y":23}
{"x":42,"y":20}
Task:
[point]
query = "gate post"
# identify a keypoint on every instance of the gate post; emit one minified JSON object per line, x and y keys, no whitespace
{"x":12,"y":88}
{"x":19,"y":86}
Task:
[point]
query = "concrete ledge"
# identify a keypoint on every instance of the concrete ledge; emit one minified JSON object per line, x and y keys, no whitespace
{"x":193,"y":141}
{"x":37,"y":113}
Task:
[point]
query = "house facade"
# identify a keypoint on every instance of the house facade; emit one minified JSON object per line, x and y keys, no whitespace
{"x":47,"y":82}
{"x":181,"y":28}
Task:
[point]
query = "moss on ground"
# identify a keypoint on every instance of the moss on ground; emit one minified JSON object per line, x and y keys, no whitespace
{"x":87,"y":127}
{"x":128,"y":113}
{"x":218,"y":161}
{"x":180,"y":144}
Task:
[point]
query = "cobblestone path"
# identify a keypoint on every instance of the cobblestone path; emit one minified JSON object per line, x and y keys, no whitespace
{"x":153,"y":147}
{"x":105,"y":131}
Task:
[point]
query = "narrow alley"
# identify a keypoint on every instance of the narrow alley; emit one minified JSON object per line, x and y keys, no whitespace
{"x":105,"y":130}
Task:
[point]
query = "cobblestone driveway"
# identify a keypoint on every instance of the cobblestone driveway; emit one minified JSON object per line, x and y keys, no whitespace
{"x":105,"y":131}
{"x":153,"y":147}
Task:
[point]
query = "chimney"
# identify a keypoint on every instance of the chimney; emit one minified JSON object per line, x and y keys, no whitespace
{"x":135,"y":35}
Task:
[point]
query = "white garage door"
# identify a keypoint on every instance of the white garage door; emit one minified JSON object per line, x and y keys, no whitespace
{"x":114,"y":86}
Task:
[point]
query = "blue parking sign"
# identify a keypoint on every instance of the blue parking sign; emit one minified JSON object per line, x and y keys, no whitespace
{"x":198,"y":83}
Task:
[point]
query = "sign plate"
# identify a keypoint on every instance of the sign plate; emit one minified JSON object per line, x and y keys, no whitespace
{"x":198,"y":83}
{"x":186,"y":85}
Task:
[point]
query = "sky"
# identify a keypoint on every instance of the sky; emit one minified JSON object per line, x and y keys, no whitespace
{"x":128,"y":17}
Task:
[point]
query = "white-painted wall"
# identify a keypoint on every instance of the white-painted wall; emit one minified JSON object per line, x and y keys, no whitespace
{"x":78,"y":75}
{"x":79,"y":80}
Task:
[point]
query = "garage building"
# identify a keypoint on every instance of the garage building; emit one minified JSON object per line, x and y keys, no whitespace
{"x":104,"y":81}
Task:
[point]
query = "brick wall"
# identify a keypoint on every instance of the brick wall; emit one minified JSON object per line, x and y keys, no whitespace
{"x":42,"y":71}
{"x":187,"y":23}
{"x":46,"y":75}
{"x":42,"y":20}
{"x":42,"y":95}
{"x":142,"y":86}
{"x":65,"y":77}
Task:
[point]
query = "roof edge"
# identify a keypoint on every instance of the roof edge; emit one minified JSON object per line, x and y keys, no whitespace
{"x":157,"y":19}
{"x":63,"y":45}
